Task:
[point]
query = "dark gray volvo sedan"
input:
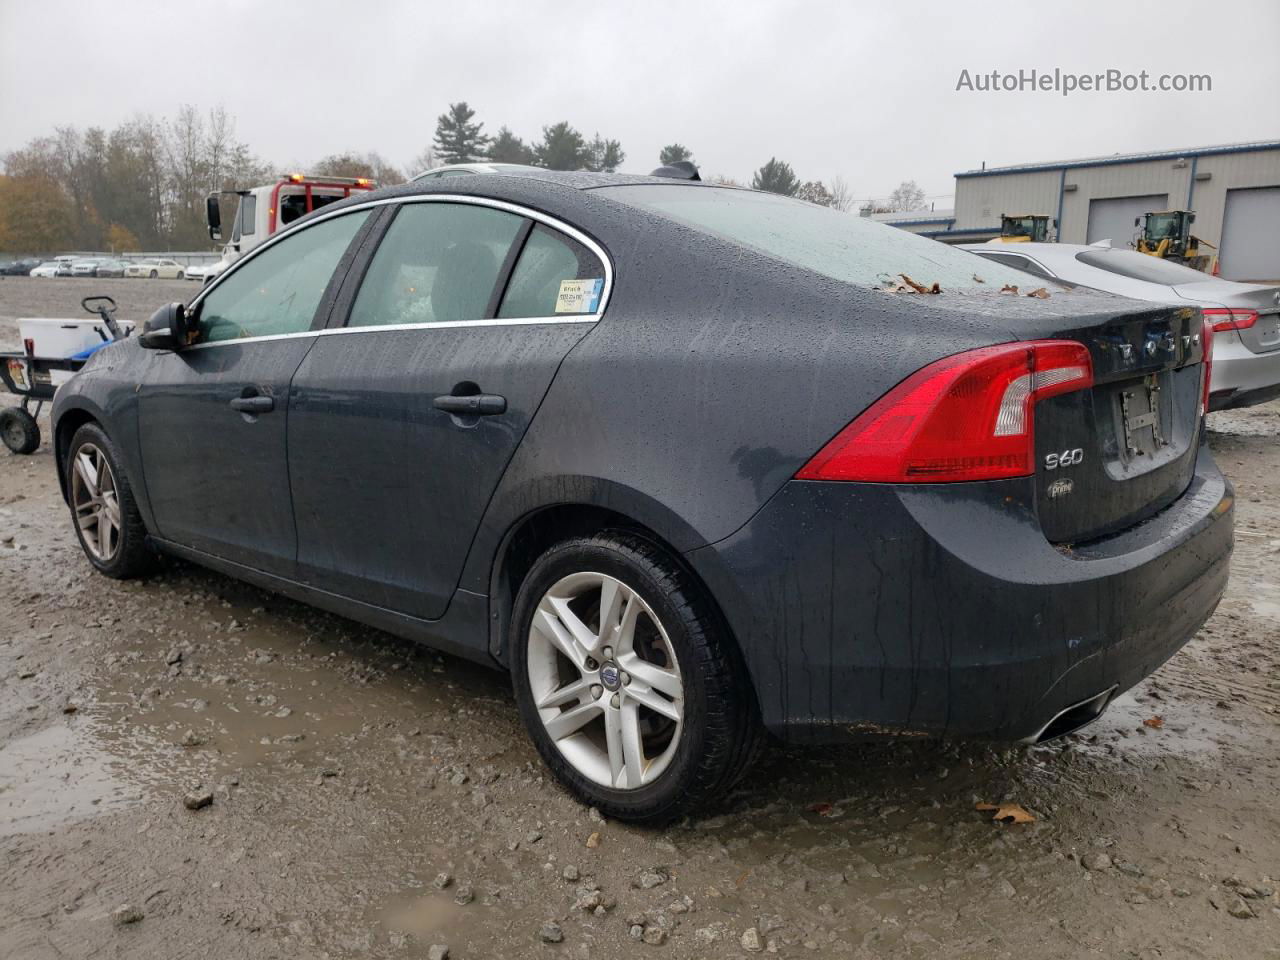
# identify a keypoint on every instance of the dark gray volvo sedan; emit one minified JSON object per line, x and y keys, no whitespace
{"x":692,"y":462}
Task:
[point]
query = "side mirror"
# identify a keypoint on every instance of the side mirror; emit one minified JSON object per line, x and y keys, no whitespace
{"x":213,"y":213}
{"x":170,"y":328}
{"x":1137,"y":221}
{"x":1191,"y":219}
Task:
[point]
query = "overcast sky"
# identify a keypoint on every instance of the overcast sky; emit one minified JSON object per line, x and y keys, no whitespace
{"x":862,"y":91}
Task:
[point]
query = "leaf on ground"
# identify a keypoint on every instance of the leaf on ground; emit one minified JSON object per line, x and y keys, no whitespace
{"x":1155,"y":723}
{"x":1012,"y":812}
{"x":822,"y":809}
{"x":1040,"y":293}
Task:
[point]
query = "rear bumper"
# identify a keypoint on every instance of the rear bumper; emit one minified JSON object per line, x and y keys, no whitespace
{"x":881,"y":610}
{"x":1242,"y":378}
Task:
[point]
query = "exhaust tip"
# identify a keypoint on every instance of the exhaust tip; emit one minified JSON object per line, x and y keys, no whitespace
{"x":1074,"y":717}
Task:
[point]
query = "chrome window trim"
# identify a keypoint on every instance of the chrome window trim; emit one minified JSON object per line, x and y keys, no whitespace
{"x":535,"y":215}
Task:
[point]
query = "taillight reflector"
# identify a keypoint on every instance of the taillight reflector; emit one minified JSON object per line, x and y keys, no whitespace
{"x":965,"y":417}
{"x":1224,"y":320}
{"x":1209,"y":328}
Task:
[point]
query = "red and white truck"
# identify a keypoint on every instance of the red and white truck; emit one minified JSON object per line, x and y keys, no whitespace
{"x":266,"y":209}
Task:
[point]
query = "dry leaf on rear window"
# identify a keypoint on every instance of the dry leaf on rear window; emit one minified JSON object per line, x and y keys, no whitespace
{"x":1009,"y":289}
{"x":1040,"y":293}
{"x":1012,"y":812}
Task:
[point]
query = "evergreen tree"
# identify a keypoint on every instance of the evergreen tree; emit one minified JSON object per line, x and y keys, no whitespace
{"x":508,"y":148}
{"x":776,"y":177}
{"x":561,"y":148}
{"x":603,"y":156}
{"x":458,"y":139}
{"x":674,"y":153}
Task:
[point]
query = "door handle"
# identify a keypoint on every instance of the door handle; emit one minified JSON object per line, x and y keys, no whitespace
{"x":476,"y":405}
{"x":257,"y":404}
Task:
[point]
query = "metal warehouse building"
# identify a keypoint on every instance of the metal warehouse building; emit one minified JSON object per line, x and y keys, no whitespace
{"x":1234,"y":190}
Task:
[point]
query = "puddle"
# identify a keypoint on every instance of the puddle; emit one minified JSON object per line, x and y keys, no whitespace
{"x":57,"y":776}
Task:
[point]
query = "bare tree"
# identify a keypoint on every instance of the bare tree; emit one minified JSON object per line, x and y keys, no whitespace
{"x":841,"y":194}
{"x":906,"y":196}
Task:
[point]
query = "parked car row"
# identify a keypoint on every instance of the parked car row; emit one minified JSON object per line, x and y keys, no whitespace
{"x":157,"y":268}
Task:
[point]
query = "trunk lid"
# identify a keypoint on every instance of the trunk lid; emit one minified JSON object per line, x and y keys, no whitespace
{"x":1263,"y":336}
{"x":1113,"y":455}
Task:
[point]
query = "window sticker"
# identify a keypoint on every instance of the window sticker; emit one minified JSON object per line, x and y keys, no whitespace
{"x":579,"y":296}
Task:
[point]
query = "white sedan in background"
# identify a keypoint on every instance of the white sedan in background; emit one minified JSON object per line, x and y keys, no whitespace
{"x":1245,"y":316}
{"x":165,"y":269}
{"x":47,"y":269}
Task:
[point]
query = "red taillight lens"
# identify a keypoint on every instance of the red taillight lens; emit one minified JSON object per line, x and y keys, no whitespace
{"x":966,"y":417}
{"x":1224,"y":320}
{"x":1209,"y":328}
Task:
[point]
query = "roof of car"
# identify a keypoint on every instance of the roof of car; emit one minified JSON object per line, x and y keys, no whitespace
{"x":581,"y":179}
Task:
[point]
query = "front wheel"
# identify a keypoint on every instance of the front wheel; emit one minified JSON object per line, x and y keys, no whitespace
{"x":181,"y":275}
{"x":105,"y":514}
{"x":154,"y":274}
{"x":628,"y":681}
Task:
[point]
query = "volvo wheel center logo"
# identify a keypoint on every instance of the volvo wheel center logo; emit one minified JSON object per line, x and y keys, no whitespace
{"x":610,"y":676}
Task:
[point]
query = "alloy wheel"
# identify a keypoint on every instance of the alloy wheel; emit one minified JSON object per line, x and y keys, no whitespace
{"x":605,"y":679}
{"x":97,"y":508}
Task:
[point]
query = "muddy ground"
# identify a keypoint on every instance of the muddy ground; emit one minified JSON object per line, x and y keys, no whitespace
{"x":372,"y":799}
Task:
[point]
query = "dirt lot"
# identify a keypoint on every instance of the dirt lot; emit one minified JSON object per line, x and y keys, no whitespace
{"x":371,"y":799}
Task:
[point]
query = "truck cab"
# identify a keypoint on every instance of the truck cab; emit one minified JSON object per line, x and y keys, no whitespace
{"x":269,"y":208}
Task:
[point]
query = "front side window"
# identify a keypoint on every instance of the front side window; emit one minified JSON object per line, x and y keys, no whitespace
{"x":842,"y":246}
{"x":438,"y":263}
{"x":278,"y":290}
{"x":555,"y":275}
{"x":248,"y":215}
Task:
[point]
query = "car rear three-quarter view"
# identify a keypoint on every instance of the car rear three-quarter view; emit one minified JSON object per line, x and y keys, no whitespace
{"x":692,"y":462}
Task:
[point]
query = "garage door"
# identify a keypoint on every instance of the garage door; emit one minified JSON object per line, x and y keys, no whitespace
{"x":1112,"y":219}
{"x":1251,"y":235}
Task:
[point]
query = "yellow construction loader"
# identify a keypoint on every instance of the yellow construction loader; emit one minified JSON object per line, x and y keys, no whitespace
{"x":1025,"y":228}
{"x":1167,"y":235}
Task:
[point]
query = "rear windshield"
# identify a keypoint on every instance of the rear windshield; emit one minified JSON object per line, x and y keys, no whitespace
{"x":843,"y":246}
{"x":1140,"y":266}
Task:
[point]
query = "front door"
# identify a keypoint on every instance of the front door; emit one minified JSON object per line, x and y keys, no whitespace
{"x":213,"y":417}
{"x":402,"y":422}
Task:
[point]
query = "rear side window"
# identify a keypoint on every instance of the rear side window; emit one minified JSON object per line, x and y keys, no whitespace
{"x":842,"y":246}
{"x":555,"y":276}
{"x":438,"y":263}
{"x":278,"y":290}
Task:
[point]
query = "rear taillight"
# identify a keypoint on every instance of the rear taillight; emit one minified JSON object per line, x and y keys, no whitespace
{"x":1223,"y":320}
{"x":966,"y":417}
{"x":1209,"y":328}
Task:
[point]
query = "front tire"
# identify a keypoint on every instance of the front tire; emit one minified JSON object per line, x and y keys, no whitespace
{"x":644,"y":712}
{"x":154,"y":274}
{"x":103,"y":509}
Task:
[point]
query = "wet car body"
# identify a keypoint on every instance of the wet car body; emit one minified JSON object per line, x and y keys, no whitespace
{"x":686,"y":410}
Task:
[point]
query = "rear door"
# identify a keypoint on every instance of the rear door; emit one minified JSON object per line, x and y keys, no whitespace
{"x":402,"y":421}
{"x":212,"y":417}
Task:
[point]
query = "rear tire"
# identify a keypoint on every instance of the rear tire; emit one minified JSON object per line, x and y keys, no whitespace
{"x":19,"y":430}
{"x":103,"y":509}
{"x":695,"y":719}
{"x":181,"y":275}
{"x":154,"y":274}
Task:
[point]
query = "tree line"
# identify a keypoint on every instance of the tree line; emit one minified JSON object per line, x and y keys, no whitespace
{"x":142,"y":185}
